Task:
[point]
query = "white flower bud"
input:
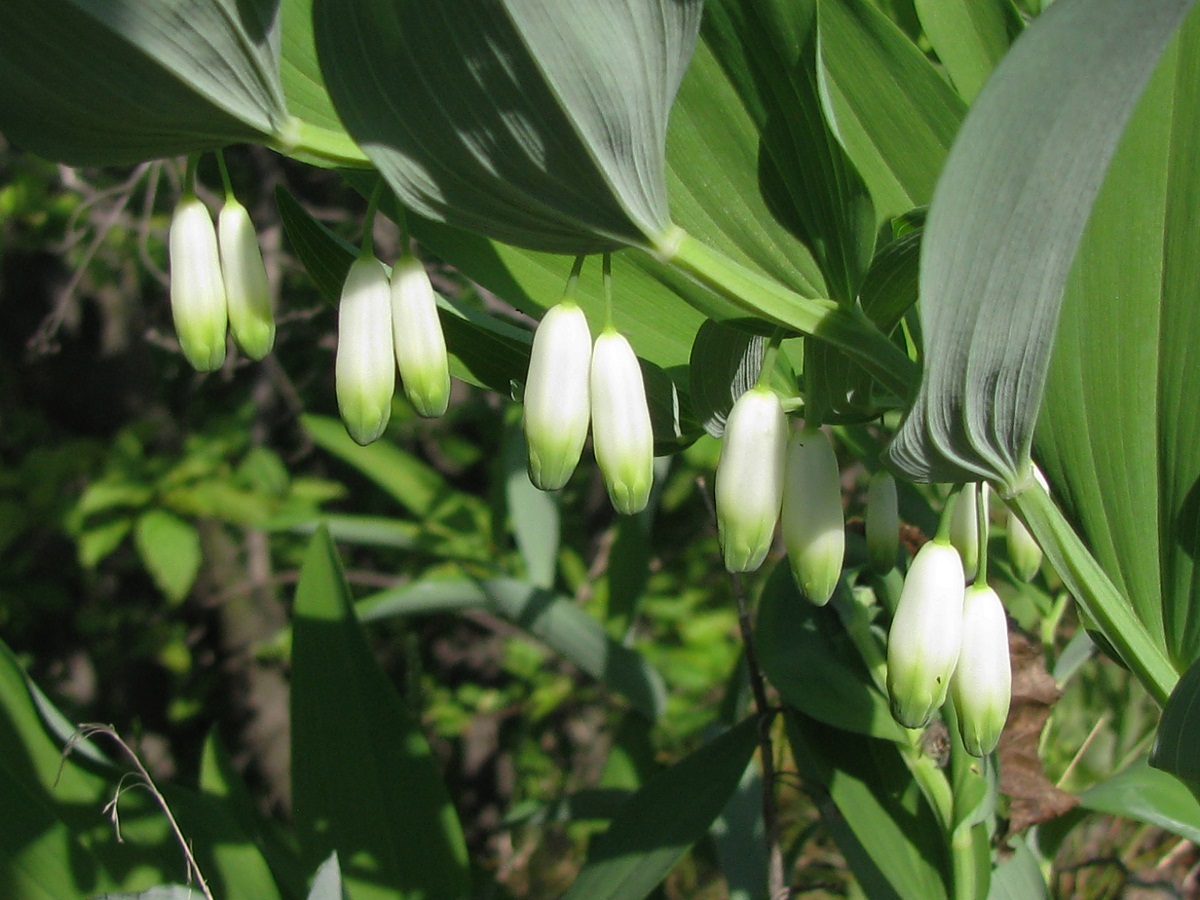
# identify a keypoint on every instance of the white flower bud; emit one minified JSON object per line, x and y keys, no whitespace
{"x":246,"y":286}
{"x":982,"y":682}
{"x":964,"y":526}
{"x":882,"y":521}
{"x":1023,"y":550}
{"x":926,"y":634}
{"x":749,"y":481}
{"x":621,"y":432}
{"x":557,"y":407}
{"x":814,"y":526}
{"x":365,"y":371}
{"x":420,"y":344}
{"x":197,"y":290}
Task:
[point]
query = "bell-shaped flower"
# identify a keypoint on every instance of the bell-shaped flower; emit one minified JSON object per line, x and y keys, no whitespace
{"x":557,"y":405}
{"x":365,"y":370}
{"x":621,"y":434}
{"x":420,"y":344}
{"x":246,"y":287}
{"x":964,"y":526}
{"x":926,"y":634}
{"x":749,"y":482}
{"x":198,"y":304}
{"x":882,"y":521}
{"x":814,"y":526}
{"x":982,"y":682}
{"x":1023,"y":550}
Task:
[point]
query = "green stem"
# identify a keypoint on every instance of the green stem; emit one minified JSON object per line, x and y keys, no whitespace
{"x":931,"y":780}
{"x":189,"y":176}
{"x":1095,"y":593}
{"x":568,"y":294}
{"x":943,"y":530}
{"x":607,"y":279}
{"x":846,"y":327}
{"x":768,"y":360}
{"x":981,"y":522}
{"x":962,"y":863}
{"x":226,"y":182}
{"x":368,"y":237}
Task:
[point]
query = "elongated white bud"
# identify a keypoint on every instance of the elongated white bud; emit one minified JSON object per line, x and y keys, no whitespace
{"x":926,"y":634}
{"x":198,"y":303}
{"x":365,"y":372}
{"x":420,"y":344}
{"x":982,"y":681}
{"x":621,"y":432}
{"x":557,"y":404}
{"x":749,"y":482}
{"x":964,"y":526}
{"x":883,"y":521}
{"x":246,"y":286}
{"x":814,"y":526}
{"x":1023,"y":550}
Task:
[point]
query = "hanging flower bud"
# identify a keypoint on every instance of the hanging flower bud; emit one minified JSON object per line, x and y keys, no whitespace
{"x":749,"y":482}
{"x":621,"y":433}
{"x":883,"y":521}
{"x":982,"y":682}
{"x":926,"y":634}
{"x":246,"y":286}
{"x":197,"y":291}
{"x":814,"y":527}
{"x":964,"y":526}
{"x":420,"y":344}
{"x":1023,"y":550}
{"x":557,"y":408}
{"x":365,"y":371}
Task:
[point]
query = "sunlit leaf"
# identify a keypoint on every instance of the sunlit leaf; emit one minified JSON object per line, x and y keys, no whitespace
{"x":1149,"y":795}
{"x":969,"y":37}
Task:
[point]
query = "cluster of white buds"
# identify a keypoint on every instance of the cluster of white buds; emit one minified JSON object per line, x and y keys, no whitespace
{"x":218,"y":280}
{"x":384,"y":325}
{"x":946,"y":636}
{"x":571,"y":382}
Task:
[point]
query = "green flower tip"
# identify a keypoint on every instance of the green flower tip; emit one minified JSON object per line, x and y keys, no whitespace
{"x":198,"y":304}
{"x":365,"y":367}
{"x":621,"y":433}
{"x":813,"y":521}
{"x":926,"y":634}
{"x":557,"y":405}
{"x":419,"y":343}
{"x":749,"y":480}
{"x":246,"y":287}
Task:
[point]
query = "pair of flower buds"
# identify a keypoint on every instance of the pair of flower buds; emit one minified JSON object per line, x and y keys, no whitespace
{"x":218,"y":281}
{"x":573,"y":383}
{"x":769,"y":471}
{"x":384,"y":325}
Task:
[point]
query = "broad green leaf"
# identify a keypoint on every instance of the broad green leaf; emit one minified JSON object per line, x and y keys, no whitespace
{"x":170,"y":549}
{"x":1150,"y":795}
{"x":98,"y":541}
{"x":1004,"y":225}
{"x":364,"y":780}
{"x":1020,"y":876}
{"x":1118,"y":435}
{"x":371,"y":531}
{"x":880,"y":820}
{"x":658,"y":823}
{"x":1178,"y":734}
{"x":553,"y":619}
{"x":99,"y":83}
{"x":532,"y":513}
{"x":809,"y":658}
{"x":969,"y":37}
{"x":628,"y":573}
{"x":739,"y":839}
{"x":891,"y":110}
{"x":549,"y":133}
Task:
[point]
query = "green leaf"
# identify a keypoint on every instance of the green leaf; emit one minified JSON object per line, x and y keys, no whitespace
{"x":1020,"y":876}
{"x":93,"y":82}
{"x":1007,"y":218}
{"x":658,"y":823}
{"x":1178,"y":734}
{"x":365,"y":782}
{"x":533,"y":513}
{"x":969,"y":37}
{"x":549,"y":134}
{"x":1118,"y":434}
{"x":370,"y":531}
{"x":891,"y":110}
{"x":1150,"y":795}
{"x":879,"y":819}
{"x":170,"y":549}
{"x":552,"y":619}
{"x":97,"y":542}
{"x":809,"y":658}
{"x":740,"y":841}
